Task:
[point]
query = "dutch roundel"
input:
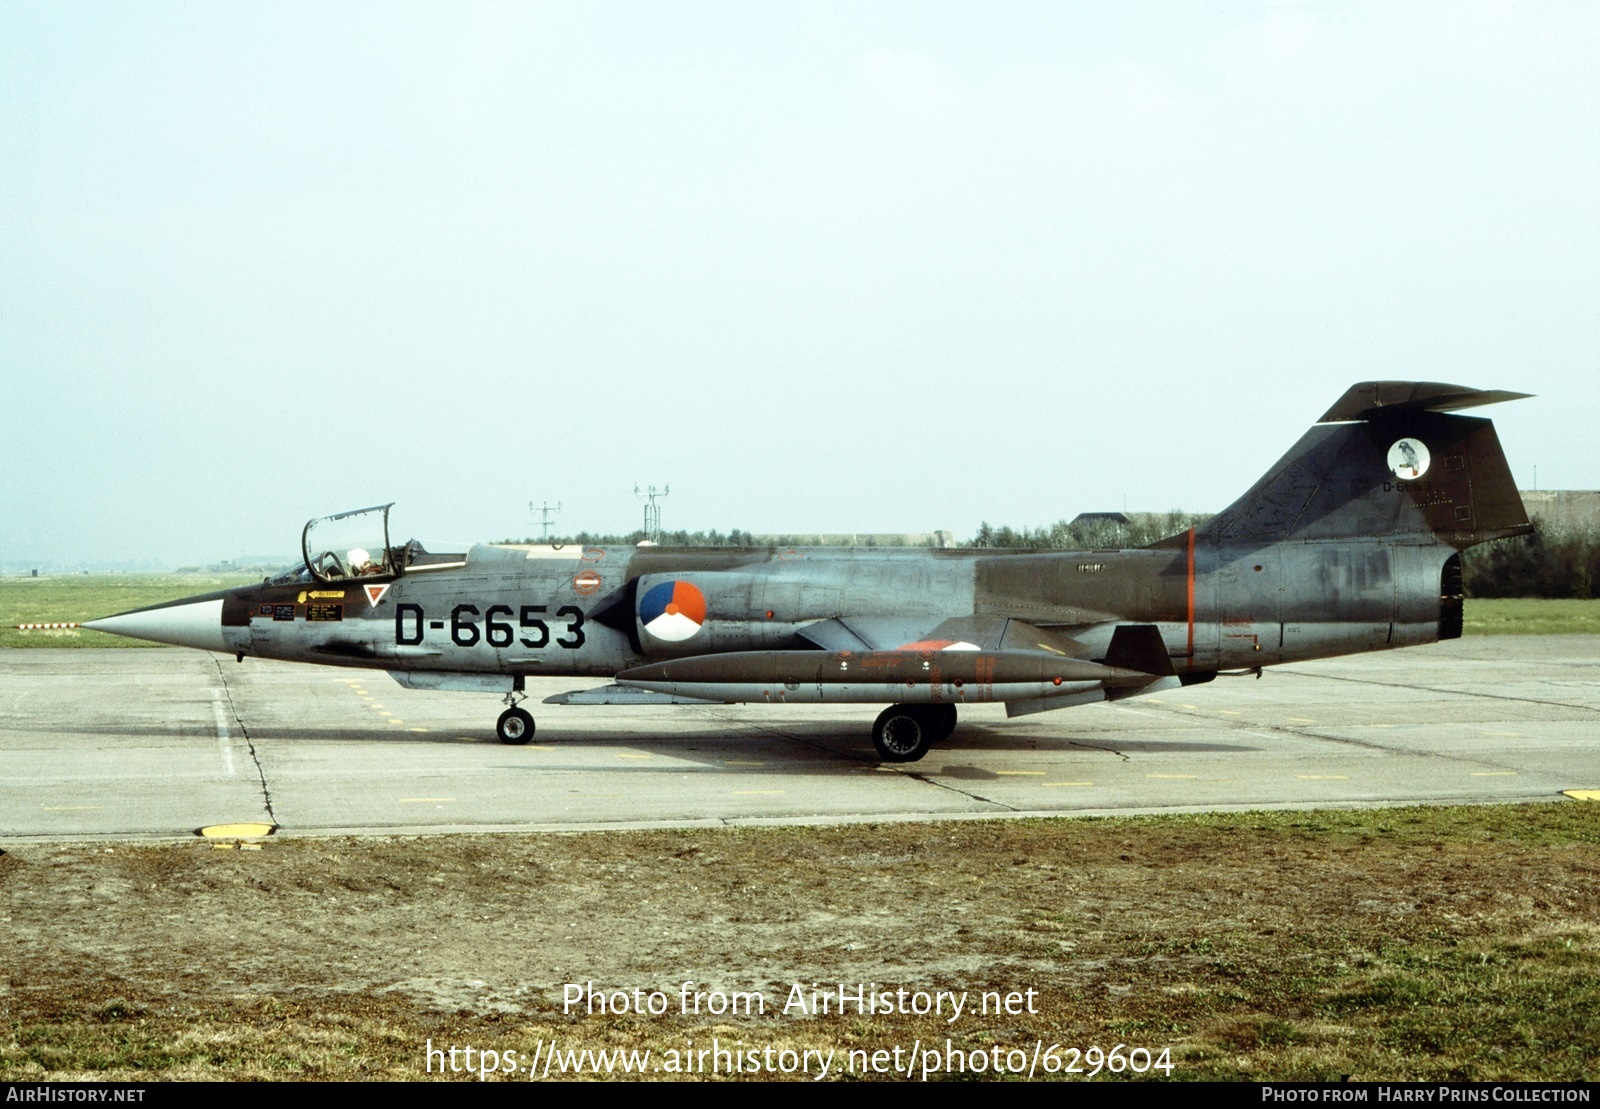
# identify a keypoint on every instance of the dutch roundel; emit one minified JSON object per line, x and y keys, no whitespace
{"x":673,"y":610}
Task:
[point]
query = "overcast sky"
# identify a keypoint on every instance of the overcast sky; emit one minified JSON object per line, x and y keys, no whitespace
{"x":819,"y":267}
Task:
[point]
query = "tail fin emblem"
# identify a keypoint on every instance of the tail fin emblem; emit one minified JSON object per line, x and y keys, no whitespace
{"x":1409,"y":459}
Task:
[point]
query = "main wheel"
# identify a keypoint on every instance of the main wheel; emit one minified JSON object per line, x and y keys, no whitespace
{"x":940,"y":719}
{"x":515,"y":727}
{"x":901,"y":734}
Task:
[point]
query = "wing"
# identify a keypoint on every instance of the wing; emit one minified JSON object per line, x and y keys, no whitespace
{"x":966,"y":633}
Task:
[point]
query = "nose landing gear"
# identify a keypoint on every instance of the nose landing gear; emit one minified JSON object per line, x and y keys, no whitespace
{"x":515,"y":725}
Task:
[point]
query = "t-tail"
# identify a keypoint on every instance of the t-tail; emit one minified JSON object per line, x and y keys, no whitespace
{"x":1390,"y":461}
{"x":1352,"y":540}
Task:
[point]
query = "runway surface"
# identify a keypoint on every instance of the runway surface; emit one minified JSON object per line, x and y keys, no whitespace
{"x":153,"y":743}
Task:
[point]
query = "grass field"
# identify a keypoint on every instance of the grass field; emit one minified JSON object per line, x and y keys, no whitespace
{"x":79,"y":597}
{"x":74,"y":598}
{"x":1428,"y":944}
{"x":1532,"y":616}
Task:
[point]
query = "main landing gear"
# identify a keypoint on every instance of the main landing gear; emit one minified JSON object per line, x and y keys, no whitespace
{"x":903,"y":733}
{"x":515,"y":725}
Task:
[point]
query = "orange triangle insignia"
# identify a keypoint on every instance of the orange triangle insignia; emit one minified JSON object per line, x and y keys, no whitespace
{"x":375,"y":593}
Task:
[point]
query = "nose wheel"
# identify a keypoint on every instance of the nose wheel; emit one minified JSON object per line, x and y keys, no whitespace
{"x":515,"y":727}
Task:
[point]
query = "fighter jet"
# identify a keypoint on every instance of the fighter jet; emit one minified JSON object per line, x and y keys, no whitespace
{"x":1351,"y":542}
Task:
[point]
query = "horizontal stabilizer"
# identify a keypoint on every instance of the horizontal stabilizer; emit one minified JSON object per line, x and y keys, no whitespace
{"x":1375,"y":398}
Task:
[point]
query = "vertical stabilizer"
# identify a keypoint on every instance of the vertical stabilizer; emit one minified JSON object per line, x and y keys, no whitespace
{"x":1388,"y":460}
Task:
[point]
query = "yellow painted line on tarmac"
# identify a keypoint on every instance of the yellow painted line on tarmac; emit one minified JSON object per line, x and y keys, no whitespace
{"x":1228,"y":712}
{"x":1019,"y":773}
{"x":1323,"y":777}
{"x":1583,"y":794}
{"x":1494,"y":774}
{"x":743,"y":762}
{"x":1183,"y":706}
{"x":621,"y":756}
{"x":1300,"y":720}
{"x":416,"y":729}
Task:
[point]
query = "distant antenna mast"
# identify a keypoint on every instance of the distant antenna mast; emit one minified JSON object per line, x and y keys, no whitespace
{"x":652,"y":511}
{"x":546,"y":512}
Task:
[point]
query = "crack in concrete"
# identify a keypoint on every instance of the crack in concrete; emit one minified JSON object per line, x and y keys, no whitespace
{"x":1097,"y":747}
{"x":250,"y":745}
{"x":959,"y":791}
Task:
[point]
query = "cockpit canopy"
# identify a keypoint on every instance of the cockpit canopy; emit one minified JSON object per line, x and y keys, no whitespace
{"x":355,"y":544}
{"x":352,"y":544}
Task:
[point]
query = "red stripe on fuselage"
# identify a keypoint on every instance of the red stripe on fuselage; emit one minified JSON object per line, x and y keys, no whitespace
{"x":1191,"y":592}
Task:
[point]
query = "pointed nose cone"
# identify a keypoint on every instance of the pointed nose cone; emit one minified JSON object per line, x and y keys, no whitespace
{"x":182,"y":623}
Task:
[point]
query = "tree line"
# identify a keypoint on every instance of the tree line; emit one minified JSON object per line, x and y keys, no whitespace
{"x":1095,"y":533}
{"x":1552,"y":562}
{"x":712,"y":538}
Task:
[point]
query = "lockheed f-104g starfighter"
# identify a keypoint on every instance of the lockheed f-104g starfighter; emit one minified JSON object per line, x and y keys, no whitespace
{"x":1351,"y":542}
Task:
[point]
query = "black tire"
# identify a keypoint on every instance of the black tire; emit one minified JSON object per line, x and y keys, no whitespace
{"x":941,"y":721}
{"x":514,"y":727}
{"x":901,"y":734}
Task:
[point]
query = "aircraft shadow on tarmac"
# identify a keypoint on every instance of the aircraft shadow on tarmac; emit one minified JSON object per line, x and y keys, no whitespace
{"x":800,"y":741}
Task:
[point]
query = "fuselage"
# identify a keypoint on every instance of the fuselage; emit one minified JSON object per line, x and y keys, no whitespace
{"x":504,"y":610}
